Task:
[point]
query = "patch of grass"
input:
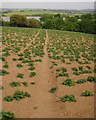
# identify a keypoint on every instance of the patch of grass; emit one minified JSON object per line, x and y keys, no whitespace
{"x":69,"y":98}
{"x":87,"y":93}
{"x":32,"y":74}
{"x":15,"y":84}
{"x":53,"y":89}
{"x":20,"y":75}
{"x":68,"y":82}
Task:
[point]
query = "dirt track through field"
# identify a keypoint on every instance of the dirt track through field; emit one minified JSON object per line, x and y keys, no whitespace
{"x":45,"y":101}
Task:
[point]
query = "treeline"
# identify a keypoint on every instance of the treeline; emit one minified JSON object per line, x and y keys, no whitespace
{"x":21,"y":21}
{"x":84,"y":23}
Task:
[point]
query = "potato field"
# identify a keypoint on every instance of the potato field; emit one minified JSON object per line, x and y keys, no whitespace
{"x":47,"y":73}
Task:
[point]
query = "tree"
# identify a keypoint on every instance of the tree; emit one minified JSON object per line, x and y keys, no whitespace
{"x":18,"y":20}
{"x":87,"y":24}
{"x":71,"y":24}
{"x":33,"y":23}
{"x":49,"y":24}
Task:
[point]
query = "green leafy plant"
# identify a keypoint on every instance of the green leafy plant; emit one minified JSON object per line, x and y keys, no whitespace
{"x":20,"y":95}
{"x":87,"y":93}
{"x":15,"y":84}
{"x":7,"y":115}
{"x":8,"y":98}
{"x":31,"y":68}
{"x":19,"y":65}
{"x":68,"y":82}
{"x":76,"y":73}
{"x":1,"y":87}
{"x":3,"y":72}
{"x":15,"y":59}
{"x":27,"y":94}
{"x":53,"y":89}
{"x":91,"y":79}
{"x":32,"y":74}
{"x":6,"y":65}
{"x":74,"y":69}
{"x":64,"y":74}
{"x":69,"y":98}
{"x":25,"y":83}
{"x":20,"y":75}
{"x":81,"y":81}
{"x":38,"y":60}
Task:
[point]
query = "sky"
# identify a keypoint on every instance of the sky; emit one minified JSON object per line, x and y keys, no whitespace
{"x":54,"y":4}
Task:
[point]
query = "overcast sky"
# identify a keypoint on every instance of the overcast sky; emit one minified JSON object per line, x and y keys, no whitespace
{"x":49,"y":5}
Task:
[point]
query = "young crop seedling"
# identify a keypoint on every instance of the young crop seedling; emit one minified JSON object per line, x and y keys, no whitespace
{"x":15,"y":59}
{"x":8,"y":98}
{"x":27,"y":94}
{"x":81,"y":81}
{"x":87,"y":93}
{"x":7,"y":115}
{"x":3,"y":72}
{"x":68,"y":82}
{"x":19,"y":65}
{"x":38,"y":60}
{"x":74,"y":69}
{"x":31,"y":68}
{"x":69,"y":98}
{"x":6,"y":65}
{"x":20,"y":75}
{"x":63,"y":74}
{"x":91,"y":79}
{"x":76,"y":73}
{"x":54,"y":63}
{"x":20,"y":95}
{"x":32,"y":74}
{"x":1,"y":87}
{"x":53,"y":89}
{"x":15,"y":84}
{"x":25,"y":84}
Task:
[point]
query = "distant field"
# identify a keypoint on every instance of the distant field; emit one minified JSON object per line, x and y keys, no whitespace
{"x":39,"y":12}
{"x":33,"y":13}
{"x":53,"y":71}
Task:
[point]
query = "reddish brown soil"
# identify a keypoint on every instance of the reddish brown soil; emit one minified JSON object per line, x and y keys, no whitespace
{"x":42,"y":103}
